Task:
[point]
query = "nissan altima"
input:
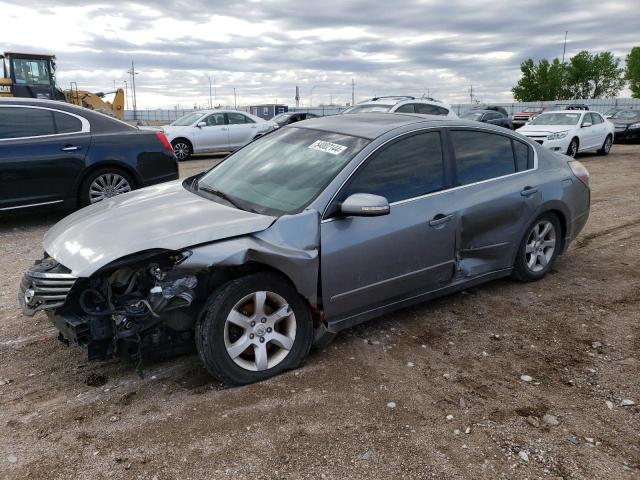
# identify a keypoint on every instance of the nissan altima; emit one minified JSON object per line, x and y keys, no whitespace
{"x":312,"y":229}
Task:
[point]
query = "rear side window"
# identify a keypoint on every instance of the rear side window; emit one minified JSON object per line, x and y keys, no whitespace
{"x":25,"y":122}
{"x":235,"y":118}
{"x":407,"y":168}
{"x":406,"y":108}
{"x":66,"y":123}
{"x":430,"y":109}
{"x":481,"y":155}
{"x":524,"y":156}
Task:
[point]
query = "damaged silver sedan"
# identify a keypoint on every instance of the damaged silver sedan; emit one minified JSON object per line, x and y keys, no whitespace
{"x":314,"y":228}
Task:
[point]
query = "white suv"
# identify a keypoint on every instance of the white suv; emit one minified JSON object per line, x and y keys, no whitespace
{"x":403,"y":104}
{"x":213,"y":131}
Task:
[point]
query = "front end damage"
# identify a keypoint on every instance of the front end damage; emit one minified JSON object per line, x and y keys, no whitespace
{"x":127,"y":309}
{"x":146,"y":304}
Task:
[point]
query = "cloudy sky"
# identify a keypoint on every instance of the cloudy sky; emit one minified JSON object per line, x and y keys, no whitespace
{"x":265,"y":48}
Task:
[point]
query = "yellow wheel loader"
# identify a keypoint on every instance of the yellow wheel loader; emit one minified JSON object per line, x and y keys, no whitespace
{"x":29,"y":75}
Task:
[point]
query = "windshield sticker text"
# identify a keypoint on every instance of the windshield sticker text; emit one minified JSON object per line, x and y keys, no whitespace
{"x":327,"y":147}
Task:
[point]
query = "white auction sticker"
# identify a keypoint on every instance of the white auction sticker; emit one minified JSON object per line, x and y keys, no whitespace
{"x":327,"y":147}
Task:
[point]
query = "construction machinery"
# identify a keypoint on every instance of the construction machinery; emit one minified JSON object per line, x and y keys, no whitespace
{"x":29,"y":75}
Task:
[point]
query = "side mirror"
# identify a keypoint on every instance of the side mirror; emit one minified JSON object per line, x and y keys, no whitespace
{"x":201,"y":124}
{"x":586,"y":124}
{"x":364,"y":205}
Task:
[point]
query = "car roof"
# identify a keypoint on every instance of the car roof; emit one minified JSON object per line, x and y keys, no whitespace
{"x":572,"y":112}
{"x":373,"y":125}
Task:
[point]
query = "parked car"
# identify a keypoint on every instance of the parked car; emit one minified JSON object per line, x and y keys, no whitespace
{"x":493,"y":117}
{"x":526,"y":115}
{"x":309,"y":230}
{"x":207,"y":131}
{"x":288,"y":118}
{"x":403,"y":104}
{"x":571,"y":131}
{"x":609,"y":113}
{"x":626,"y":124}
{"x":571,"y":106}
{"x":56,"y":154}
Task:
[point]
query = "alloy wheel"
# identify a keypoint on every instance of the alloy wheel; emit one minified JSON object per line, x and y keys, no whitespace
{"x":108,"y":185}
{"x":181,"y":150}
{"x":259,"y":331}
{"x":573,"y":148}
{"x":607,"y":144}
{"x":541,"y":244}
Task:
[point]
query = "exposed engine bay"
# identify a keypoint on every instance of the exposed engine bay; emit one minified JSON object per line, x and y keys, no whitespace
{"x":138,"y":308}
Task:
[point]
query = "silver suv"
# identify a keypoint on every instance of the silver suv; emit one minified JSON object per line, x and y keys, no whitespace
{"x":403,"y":104}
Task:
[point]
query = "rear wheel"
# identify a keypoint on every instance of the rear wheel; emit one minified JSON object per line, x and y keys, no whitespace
{"x":538,"y":249}
{"x":104,"y":183}
{"x":572,"y":151}
{"x":253,"y":328}
{"x":182,"y":149}
{"x":606,"y":146}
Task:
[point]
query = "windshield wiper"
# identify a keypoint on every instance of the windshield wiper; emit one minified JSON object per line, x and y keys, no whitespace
{"x":218,"y":193}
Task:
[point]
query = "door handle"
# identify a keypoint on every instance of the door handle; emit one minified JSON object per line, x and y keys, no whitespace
{"x":439,"y":219}
{"x":224,"y":128}
{"x":528,"y":191}
{"x":70,"y":148}
{"x":254,"y":126}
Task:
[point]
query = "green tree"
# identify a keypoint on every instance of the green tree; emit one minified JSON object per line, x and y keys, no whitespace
{"x":542,"y":81}
{"x":593,"y":76}
{"x":632,"y":73}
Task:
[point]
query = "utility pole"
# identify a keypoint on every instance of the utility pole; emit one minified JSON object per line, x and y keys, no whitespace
{"x":471,"y":94}
{"x":297,"y":97}
{"x":235,"y":101}
{"x":133,"y":74}
{"x":353,"y":91}
{"x":210,"y":97}
{"x":564,"y":49}
{"x":126,"y":96}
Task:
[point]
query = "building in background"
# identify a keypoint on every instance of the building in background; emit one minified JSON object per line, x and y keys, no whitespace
{"x":268,"y":110}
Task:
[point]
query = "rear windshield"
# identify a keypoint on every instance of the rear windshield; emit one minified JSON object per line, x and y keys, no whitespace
{"x":627,"y":115}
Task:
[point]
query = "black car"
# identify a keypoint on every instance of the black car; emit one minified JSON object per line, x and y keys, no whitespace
{"x":489,"y":115}
{"x":571,"y":106}
{"x":627,"y":123}
{"x":288,"y":118}
{"x":56,"y":154}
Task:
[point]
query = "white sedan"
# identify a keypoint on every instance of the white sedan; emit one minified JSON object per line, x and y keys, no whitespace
{"x":571,"y":131}
{"x":208,"y":131}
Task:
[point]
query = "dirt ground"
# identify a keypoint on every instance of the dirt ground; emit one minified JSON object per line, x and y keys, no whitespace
{"x":433,"y":391}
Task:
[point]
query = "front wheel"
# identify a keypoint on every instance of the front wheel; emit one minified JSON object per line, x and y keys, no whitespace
{"x":538,"y":249}
{"x":606,"y":146}
{"x":572,"y":151}
{"x":253,"y":328}
{"x":181,"y":149}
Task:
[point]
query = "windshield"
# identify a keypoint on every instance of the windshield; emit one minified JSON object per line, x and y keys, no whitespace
{"x":627,"y":114}
{"x":282,"y":172}
{"x":368,"y":108}
{"x":472,"y":115}
{"x":556,"y":119}
{"x":31,"y":72}
{"x":281,"y":119}
{"x":186,"y":120}
{"x":533,"y":110}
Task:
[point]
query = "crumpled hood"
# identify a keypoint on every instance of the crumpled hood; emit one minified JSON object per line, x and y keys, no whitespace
{"x":165,"y":216}
{"x":544,"y":129}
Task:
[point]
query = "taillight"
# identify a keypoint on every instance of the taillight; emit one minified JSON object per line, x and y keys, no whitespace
{"x":580,"y":171}
{"x":164,"y":141}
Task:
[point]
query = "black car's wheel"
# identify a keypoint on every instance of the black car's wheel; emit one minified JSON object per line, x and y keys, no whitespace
{"x":572,"y":151}
{"x":606,"y":146}
{"x":538,"y":249}
{"x":253,"y":328}
{"x":182,"y":149}
{"x":104,"y":183}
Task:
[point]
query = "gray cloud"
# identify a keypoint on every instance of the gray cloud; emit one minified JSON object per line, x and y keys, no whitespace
{"x":479,"y":43}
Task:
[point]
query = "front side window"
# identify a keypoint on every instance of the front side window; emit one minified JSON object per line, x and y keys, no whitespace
{"x":281,"y":172}
{"x":481,"y":155}
{"x":596,"y":118}
{"x":407,"y":168}
{"x":186,"y":120}
{"x":236,"y":118}
{"x":25,"y":122}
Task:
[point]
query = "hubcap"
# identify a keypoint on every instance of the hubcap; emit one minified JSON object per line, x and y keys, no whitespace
{"x":181,"y":150}
{"x":108,"y":185}
{"x":541,"y":243}
{"x":259,"y":331}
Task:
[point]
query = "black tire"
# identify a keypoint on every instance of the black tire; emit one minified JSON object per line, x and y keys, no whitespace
{"x":210,"y":329}
{"x":85,"y":195}
{"x":574,"y":145}
{"x":182,"y":148}
{"x":606,"y":146}
{"x":521,"y":269}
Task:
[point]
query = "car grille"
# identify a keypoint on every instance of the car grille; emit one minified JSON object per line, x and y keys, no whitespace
{"x":45,"y":286}
{"x":522,"y":118}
